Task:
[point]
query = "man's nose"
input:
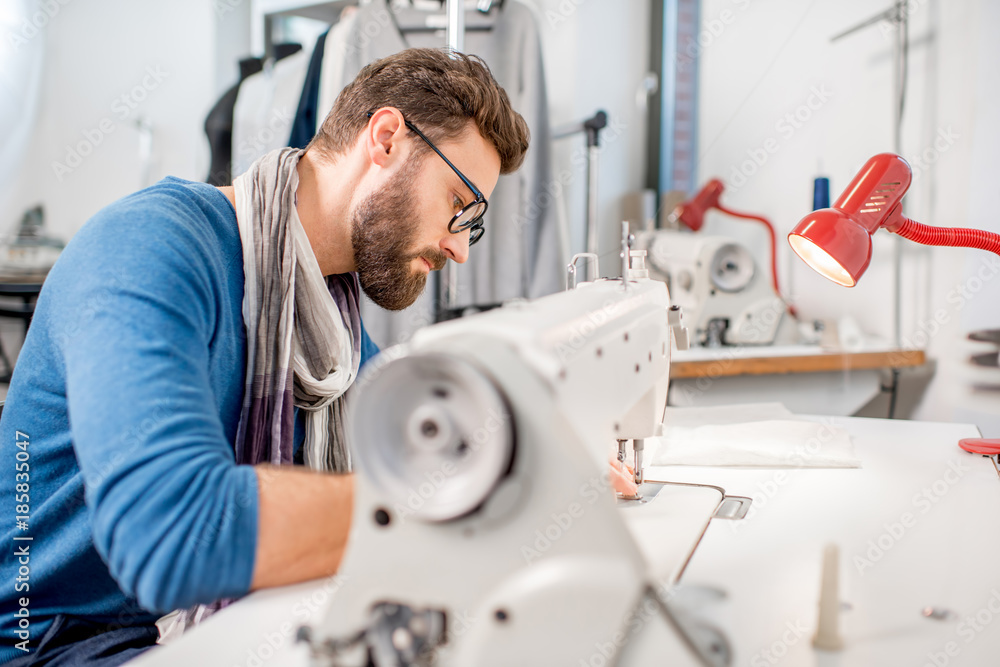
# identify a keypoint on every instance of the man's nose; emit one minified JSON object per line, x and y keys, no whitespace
{"x":456,"y":246}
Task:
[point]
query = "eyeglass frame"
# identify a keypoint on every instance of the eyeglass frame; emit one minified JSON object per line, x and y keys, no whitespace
{"x":476,"y":224}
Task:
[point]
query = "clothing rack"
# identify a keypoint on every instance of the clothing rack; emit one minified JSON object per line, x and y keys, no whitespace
{"x":265,"y":12}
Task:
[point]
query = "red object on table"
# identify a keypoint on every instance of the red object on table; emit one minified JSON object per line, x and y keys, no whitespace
{"x":984,"y":446}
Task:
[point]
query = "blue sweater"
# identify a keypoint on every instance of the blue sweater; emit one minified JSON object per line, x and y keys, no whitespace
{"x":122,"y":414}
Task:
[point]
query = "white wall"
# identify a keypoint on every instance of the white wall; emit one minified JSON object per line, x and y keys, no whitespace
{"x":767,"y":59}
{"x":108,"y":65}
{"x":596,"y":57}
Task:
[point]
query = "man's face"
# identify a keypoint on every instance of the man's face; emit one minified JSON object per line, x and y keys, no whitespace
{"x":400,"y":231}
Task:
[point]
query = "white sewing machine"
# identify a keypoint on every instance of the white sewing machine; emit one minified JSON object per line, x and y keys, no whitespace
{"x":725,"y":297}
{"x":485,"y":529}
{"x":484,"y":493}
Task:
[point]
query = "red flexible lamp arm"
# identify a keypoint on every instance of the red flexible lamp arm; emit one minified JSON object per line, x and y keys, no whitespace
{"x":774,"y":246}
{"x":958,"y":237}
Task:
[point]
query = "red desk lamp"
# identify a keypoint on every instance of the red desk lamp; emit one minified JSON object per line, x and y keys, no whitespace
{"x":837,"y":242}
{"x":692,"y":214}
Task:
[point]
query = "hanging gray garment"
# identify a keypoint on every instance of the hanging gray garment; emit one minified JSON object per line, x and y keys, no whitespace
{"x":519,"y":254}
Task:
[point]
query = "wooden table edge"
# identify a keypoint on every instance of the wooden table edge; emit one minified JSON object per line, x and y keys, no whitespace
{"x":811,"y":363}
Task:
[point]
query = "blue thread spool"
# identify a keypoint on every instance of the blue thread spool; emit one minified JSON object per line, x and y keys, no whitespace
{"x":821,"y":193}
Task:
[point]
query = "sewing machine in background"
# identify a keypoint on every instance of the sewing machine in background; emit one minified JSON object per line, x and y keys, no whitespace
{"x":726,"y":298}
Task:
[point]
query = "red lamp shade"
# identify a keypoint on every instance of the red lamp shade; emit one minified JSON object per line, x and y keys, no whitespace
{"x":692,"y":212}
{"x":837,"y":242}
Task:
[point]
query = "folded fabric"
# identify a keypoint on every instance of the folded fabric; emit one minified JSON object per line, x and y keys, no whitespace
{"x":759,"y":434}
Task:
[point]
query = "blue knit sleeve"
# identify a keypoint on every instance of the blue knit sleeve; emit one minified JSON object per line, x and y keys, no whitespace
{"x":368,"y":348}
{"x":173,"y":516}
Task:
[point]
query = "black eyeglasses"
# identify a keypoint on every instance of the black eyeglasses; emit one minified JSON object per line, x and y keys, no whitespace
{"x":469,"y":216}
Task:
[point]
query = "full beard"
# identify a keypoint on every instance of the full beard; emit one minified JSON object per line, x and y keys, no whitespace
{"x":383,"y":231}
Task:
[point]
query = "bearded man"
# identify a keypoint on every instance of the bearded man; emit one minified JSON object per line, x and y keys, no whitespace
{"x":193,"y":342}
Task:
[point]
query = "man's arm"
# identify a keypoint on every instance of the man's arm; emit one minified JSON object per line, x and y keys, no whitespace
{"x":304,"y":518}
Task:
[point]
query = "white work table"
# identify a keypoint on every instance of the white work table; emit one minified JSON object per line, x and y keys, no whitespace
{"x":935,"y":550}
{"x":943,"y":555}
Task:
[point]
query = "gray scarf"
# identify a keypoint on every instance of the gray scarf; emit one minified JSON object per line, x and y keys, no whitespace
{"x":303,"y":336}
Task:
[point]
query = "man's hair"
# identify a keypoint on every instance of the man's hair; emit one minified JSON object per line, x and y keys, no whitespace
{"x":439,"y":91}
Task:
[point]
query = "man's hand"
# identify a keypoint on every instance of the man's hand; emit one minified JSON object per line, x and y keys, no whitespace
{"x":623,"y":478}
{"x":304,"y":518}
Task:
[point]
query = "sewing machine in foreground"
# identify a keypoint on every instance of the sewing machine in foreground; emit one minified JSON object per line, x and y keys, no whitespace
{"x":485,"y":531}
{"x":483,"y":493}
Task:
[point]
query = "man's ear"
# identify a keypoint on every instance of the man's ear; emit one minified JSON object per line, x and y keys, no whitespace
{"x":383,"y":136}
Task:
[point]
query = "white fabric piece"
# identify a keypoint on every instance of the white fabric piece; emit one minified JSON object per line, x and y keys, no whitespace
{"x":21,"y":67}
{"x":756,"y":434}
{"x":265,"y":109}
{"x":331,"y":77}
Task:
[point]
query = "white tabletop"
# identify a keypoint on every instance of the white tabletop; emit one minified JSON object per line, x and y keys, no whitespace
{"x":917,"y":525}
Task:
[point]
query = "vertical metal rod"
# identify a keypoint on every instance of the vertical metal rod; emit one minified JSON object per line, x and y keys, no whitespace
{"x":625,"y":248}
{"x":899,"y":79}
{"x":456,"y":25}
{"x":456,"y":42}
{"x":638,"y":447}
{"x":593,"y":154}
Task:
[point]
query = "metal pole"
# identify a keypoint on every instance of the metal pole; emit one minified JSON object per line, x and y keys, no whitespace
{"x":456,"y":25}
{"x":456,"y":42}
{"x":897,"y":15}
{"x":900,"y":90}
{"x":593,"y":155}
{"x":593,"y":127}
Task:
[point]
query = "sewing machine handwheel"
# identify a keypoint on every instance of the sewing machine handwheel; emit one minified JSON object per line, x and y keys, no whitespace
{"x":433,"y":434}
